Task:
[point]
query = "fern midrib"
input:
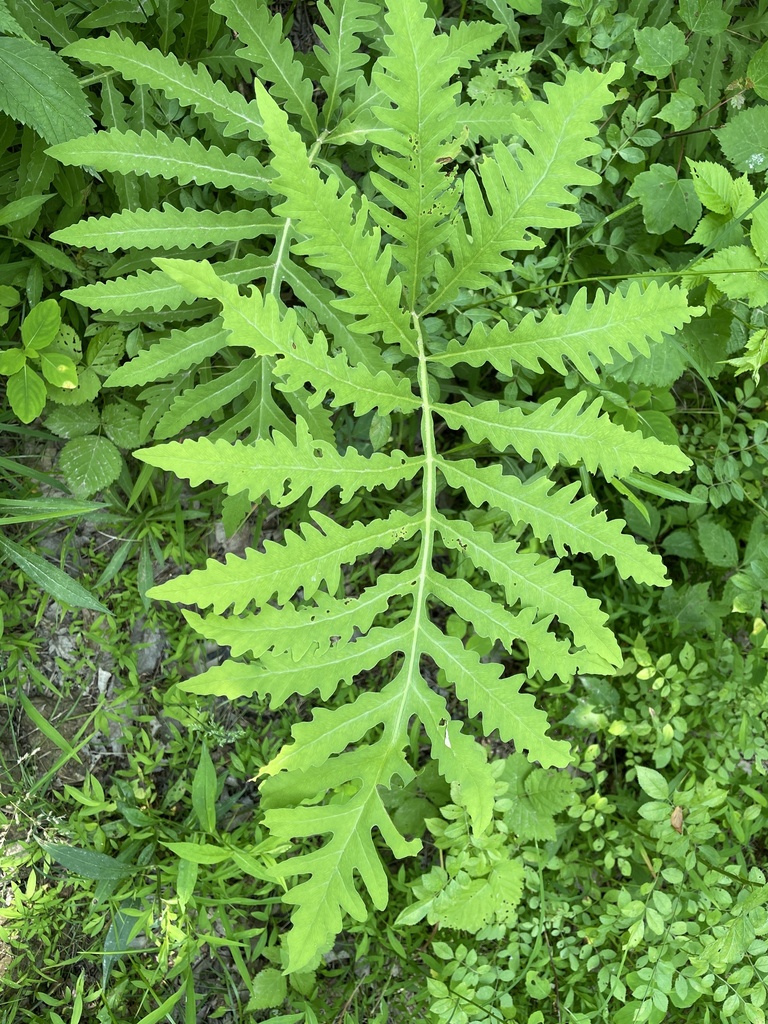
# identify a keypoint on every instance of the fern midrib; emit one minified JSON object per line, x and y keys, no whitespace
{"x":429,"y":505}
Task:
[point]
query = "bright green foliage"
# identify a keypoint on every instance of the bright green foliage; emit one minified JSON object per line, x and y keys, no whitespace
{"x":43,"y":349}
{"x":38,"y":89}
{"x":395,"y":259}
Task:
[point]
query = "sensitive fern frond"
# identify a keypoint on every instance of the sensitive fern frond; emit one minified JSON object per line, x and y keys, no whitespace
{"x":179,"y":351}
{"x":285,"y":469}
{"x":374,"y":267}
{"x":337,"y":237}
{"x":553,"y":514}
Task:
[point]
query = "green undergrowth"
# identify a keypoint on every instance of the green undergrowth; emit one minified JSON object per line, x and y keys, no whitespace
{"x":382,"y":511}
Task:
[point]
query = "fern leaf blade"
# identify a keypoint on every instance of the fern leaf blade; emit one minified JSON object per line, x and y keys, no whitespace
{"x":525,"y":578}
{"x":282,"y":468}
{"x":326,"y":623}
{"x":546,"y":654}
{"x":567,"y":433}
{"x":179,"y":351}
{"x":530,"y":189}
{"x":193,"y":88}
{"x":184,"y":160}
{"x":168,"y":228}
{"x":498,"y":700}
{"x":264,"y":46}
{"x":617,"y":324}
{"x":203,"y":399}
{"x":554,"y":514}
{"x":305,"y":560}
{"x":336,"y":238}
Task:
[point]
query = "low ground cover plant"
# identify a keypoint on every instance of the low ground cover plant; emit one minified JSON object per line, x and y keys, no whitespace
{"x":447,"y":321}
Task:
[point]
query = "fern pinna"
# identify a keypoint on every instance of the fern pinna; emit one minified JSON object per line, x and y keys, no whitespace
{"x":375,"y":273}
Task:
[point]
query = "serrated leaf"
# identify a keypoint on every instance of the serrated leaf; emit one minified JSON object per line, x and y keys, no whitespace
{"x":535,"y":583}
{"x":268,"y":989}
{"x":717,"y":543}
{"x":305,"y":560}
{"x":743,"y":139}
{"x":26,"y":393}
{"x":89,"y":464}
{"x":281,"y":468}
{"x":554,"y":514}
{"x":566,"y":433}
{"x":659,"y":49}
{"x":72,"y":421}
{"x":528,"y":189}
{"x":339,"y":52}
{"x":179,"y":351}
{"x":713,"y":185}
{"x":38,"y":89}
{"x":331,"y":239}
{"x":203,"y":399}
{"x":261,"y":32}
{"x":666,"y":200}
{"x":706,"y":17}
{"x":757,"y":71}
{"x":621,"y":324}
{"x":498,"y":700}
